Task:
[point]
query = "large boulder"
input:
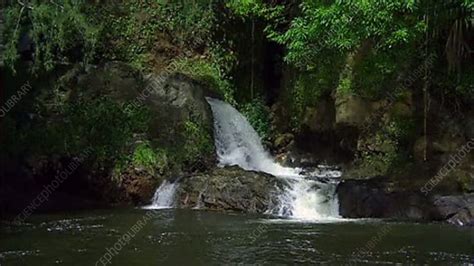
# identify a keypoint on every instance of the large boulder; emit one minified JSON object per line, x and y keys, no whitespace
{"x":379,"y":198}
{"x":174,"y":100}
{"x":230,"y":188}
{"x":116,"y":80}
{"x":382,"y":198}
{"x":457,"y":210}
{"x":137,"y":186}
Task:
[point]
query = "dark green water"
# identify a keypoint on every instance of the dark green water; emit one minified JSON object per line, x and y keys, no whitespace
{"x":187,"y":237}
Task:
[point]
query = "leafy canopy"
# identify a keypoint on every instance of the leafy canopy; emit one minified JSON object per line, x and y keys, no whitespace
{"x":60,"y":33}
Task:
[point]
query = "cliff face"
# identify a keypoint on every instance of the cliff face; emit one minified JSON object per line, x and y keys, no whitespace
{"x":385,"y":138}
{"x":124,"y":163}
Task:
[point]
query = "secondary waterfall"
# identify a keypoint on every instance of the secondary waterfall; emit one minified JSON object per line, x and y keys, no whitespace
{"x":237,"y":143}
{"x":164,"y":196}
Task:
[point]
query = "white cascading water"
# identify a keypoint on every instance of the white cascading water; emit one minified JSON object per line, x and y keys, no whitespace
{"x":164,"y":197}
{"x":237,"y":143}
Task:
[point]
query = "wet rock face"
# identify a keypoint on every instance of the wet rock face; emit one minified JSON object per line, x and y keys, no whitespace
{"x":138,"y":186}
{"x":374,"y":198}
{"x":116,"y":80}
{"x":351,"y":110}
{"x":457,"y":210}
{"x":230,"y":188}
{"x":377,"y":198}
{"x":174,"y":100}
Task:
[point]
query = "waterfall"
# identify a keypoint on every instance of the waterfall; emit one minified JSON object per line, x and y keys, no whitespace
{"x":307,"y":197}
{"x":164,"y":197}
{"x":237,"y":143}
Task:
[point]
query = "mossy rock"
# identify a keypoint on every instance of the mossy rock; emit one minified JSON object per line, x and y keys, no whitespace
{"x":351,"y":110}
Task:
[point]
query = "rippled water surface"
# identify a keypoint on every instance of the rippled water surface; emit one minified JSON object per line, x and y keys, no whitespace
{"x":192,"y":237}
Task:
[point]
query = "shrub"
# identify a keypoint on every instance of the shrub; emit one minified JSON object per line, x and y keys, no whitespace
{"x":135,"y":28}
{"x":150,"y":159}
{"x":209,"y":72}
{"x":198,"y":142}
{"x":103,"y":125}
{"x":378,"y":162}
{"x":258,"y":116}
{"x":61,"y":34}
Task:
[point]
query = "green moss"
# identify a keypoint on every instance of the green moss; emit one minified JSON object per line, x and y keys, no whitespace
{"x":345,"y":85}
{"x":209,"y":72}
{"x":136,"y":28}
{"x":198,"y":142}
{"x":150,"y":159}
{"x":379,"y":155}
{"x":402,"y":128}
{"x":387,"y":149}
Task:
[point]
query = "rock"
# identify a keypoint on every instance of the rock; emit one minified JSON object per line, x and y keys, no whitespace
{"x":282,"y":141}
{"x":116,"y":80}
{"x":230,"y":188}
{"x":457,"y":210}
{"x":351,"y":110}
{"x":401,"y":109}
{"x":321,"y":117}
{"x":380,"y":198}
{"x":174,"y":100}
{"x":445,"y":141}
{"x":138,"y":186}
{"x":403,"y":106}
{"x":377,"y":198}
{"x":295,"y":158}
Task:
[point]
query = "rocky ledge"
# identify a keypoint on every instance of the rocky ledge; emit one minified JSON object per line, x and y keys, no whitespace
{"x":380,"y":198}
{"x":458,"y":210}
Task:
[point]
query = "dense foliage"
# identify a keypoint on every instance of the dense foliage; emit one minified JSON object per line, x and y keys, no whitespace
{"x":330,"y":50}
{"x":61,"y":34}
{"x":376,"y":50}
{"x":258,"y":116}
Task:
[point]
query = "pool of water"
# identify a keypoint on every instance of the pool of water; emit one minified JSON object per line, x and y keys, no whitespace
{"x":193,"y":237}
